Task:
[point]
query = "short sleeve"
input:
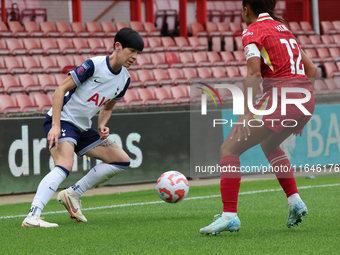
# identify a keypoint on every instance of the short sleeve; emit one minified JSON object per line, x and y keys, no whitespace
{"x":252,"y":34}
{"x":83,"y":72}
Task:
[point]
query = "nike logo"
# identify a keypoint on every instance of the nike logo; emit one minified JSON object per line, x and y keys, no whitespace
{"x":72,"y":207}
{"x":95,"y":80}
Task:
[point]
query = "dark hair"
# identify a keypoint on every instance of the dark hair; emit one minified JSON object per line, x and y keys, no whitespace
{"x":260,"y":6}
{"x":129,"y":38}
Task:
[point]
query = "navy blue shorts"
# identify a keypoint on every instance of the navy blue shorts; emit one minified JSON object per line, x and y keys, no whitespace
{"x":84,"y":141}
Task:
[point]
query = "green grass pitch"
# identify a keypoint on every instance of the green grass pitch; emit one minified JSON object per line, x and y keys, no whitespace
{"x":114,"y":227}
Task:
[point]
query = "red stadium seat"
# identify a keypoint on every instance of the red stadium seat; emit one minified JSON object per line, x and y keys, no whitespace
{"x":328,"y":41}
{"x":16,"y":29}
{"x":47,"y":82}
{"x":132,"y":97}
{"x":41,"y":100}
{"x":64,"y":29}
{"x":307,"y":28}
{"x":327,"y":28}
{"x":108,"y":44}
{"x":191,"y":75}
{"x":32,"y":29}
{"x":214,"y":58}
{"x":313,"y":55}
{"x":240,"y":57}
{"x":3,"y":49}
{"x":162,"y":77}
{"x":134,"y":79}
{"x":201,"y":58}
{"x":320,"y":87}
{"x":183,"y":43}
{"x":32,"y":46}
{"x":163,"y":96}
{"x":158,"y":60}
{"x":235,"y":28}
{"x":15,"y":46}
{"x":65,"y":63}
{"x":224,"y":29}
{"x":331,"y":70}
{"x":97,"y":46}
{"x":48,"y":29}
{"x":25,"y":103}
{"x":146,"y":77}
{"x":234,"y":73}
{"x":49,"y":64}
{"x":138,"y":26}
{"x":7,"y":104}
{"x":177,"y":76}
{"x":14,"y":65}
{"x":120,"y":25}
{"x":169,"y":44}
{"x":79,"y":29}
{"x":108,"y":28}
{"x":10,"y":84}
{"x":49,"y":46}
{"x":28,"y":83}
{"x":336,"y":39}
{"x":187,"y":59}
{"x":66,"y":46}
{"x":324,"y":55}
{"x":229,"y":43}
{"x":144,"y":61}
{"x":198,"y":43}
{"x":60,"y":77}
{"x":77,"y":60}
{"x":179,"y":93}
{"x":305,"y":42}
{"x":238,"y":42}
{"x":219,"y":73}
{"x":94,"y":29}
{"x":147,"y":97}
{"x":205,"y":74}
{"x":295,"y":28}
{"x":316,"y":41}
{"x":32,"y":64}
{"x":172,"y":58}
{"x":194,"y":93}
{"x":332,"y":85}
{"x":155,"y":44}
{"x":81,"y":45}
{"x":151,"y":29}
{"x":4,"y":32}
{"x":228,"y":58}
{"x":243,"y":71}
{"x":198,"y":30}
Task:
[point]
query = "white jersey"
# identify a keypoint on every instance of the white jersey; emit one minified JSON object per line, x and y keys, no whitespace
{"x":97,"y":84}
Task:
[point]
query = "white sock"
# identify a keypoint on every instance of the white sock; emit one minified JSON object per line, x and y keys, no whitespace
{"x":229,"y":214}
{"x":97,"y":175}
{"x":47,"y":187}
{"x":293,"y":198}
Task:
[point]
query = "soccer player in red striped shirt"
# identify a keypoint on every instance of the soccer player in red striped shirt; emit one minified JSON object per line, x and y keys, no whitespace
{"x":272,"y":53}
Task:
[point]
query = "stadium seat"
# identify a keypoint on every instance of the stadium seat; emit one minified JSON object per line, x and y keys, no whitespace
{"x":337,"y":81}
{"x":81,"y":46}
{"x":198,"y":30}
{"x":214,"y":58}
{"x":155,"y":44}
{"x":14,"y":65}
{"x":307,"y":28}
{"x":65,"y":63}
{"x":3,"y":68}
{"x":194,"y":93}
{"x":191,"y":75}
{"x":47,"y":82}
{"x":138,"y":26}
{"x":316,"y":41}
{"x":158,"y":60}
{"x":335,"y":53}
{"x":64,"y":29}
{"x":187,"y":59}
{"x":134,"y":79}
{"x":49,"y":46}
{"x":336,"y":25}
{"x":77,"y":60}
{"x":66,"y":46}
{"x":238,"y":42}
{"x":324,"y":55}
{"x":212,"y":29}
{"x":41,"y":100}
{"x":228,"y":58}
{"x":163,"y":96}
{"x":10,"y":84}
{"x":32,"y":29}
{"x":79,"y":29}
{"x":31,"y":64}
{"x":132,"y":97}
{"x":146,"y":78}
{"x":228,"y":44}
{"x":108,"y":44}
{"x":28,"y":83}
{"x":331,"y":70}
{"x":94,"y":29}
{"x":235,"y":28}
{"x":224,"y":29}
{"x":16,"y":29}
{"x":295,"y":28}
{"x":182,"y":43}
{"x":162,"y":77}
{"x":336,"y":39}
{"x":177,"y":76}
{"x":3,"y":49}
{"x":327,"y":28}
{"x":15,"y":46}
{"x":205,"y":74}
{"x":151,"y":29}
{"x":144,"y":61}
{"x":60,"y":77}
{"x":313,"y":55}
{"x":180,"y":94}
{"x":26,"y":14}
{"x":320,"y":87}
{"x":240,"y":57}
{"x":201,"y":58}
{"x":4,"y":32}
{"x":328,"y":41}
{"x":198,"y":43}
{"x":49,"y":64}
{"x":225,"y":94}
{"x":24,"y":102}
{"x":213,"y":15}
{"x":147,"y":48}
{"x":243,"y":70}
{"x":305,"y":42}
{"x":214,"y":36}
{"x":7,"y":104}
{"x":48,"y":29}
{"x":332,"y":85}
{"x":96,"y":45}
{"x":169,"y":44}
{"x":120,"y":25}
{"x":172,"y":59}
{"x":219,"y":73}
{"x":147,"y":97}
{"x":108,"y":28}
{"x":32,"y":46}
{"x":234,"y":73}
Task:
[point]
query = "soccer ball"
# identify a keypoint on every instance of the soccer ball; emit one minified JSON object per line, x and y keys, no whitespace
{"x":172,"y":187}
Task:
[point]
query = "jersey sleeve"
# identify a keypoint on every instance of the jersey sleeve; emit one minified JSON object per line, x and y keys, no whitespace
{"x":83,"y":72}
{"x":122,"y":93}
{"x":252,"y":34}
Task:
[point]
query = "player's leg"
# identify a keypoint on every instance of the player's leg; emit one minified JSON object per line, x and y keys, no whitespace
{"x":234,"y":145}
{"x":63,"y":158}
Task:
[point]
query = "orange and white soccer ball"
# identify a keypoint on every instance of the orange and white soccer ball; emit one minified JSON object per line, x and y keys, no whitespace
{"x":172,"y":186}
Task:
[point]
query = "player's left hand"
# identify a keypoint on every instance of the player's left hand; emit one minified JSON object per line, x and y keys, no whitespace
{"x":103,"y":132}
{"x":241,"y":130}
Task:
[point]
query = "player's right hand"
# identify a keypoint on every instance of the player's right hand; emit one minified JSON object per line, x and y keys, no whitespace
{"x":53,"y":136}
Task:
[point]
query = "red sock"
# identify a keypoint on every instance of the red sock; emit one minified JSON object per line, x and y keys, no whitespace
{"x":230,"y":182}
{"x":280,"y":164}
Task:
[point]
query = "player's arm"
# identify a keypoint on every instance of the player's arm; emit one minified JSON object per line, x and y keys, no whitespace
{"x":104,"y":116}
{"x":310,"y":68}
{"x":57,"y":105}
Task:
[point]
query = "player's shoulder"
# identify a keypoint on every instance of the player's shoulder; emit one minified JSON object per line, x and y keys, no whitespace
{"x":125,"y":71}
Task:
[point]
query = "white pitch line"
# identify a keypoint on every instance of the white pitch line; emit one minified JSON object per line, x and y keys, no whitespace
{"x":157,"y":202}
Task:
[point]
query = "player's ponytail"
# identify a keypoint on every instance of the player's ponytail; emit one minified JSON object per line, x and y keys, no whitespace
{"x":260,"y":6}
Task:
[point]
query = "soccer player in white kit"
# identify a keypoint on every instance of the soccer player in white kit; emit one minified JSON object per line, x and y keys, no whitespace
{"x":95,"y":86}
